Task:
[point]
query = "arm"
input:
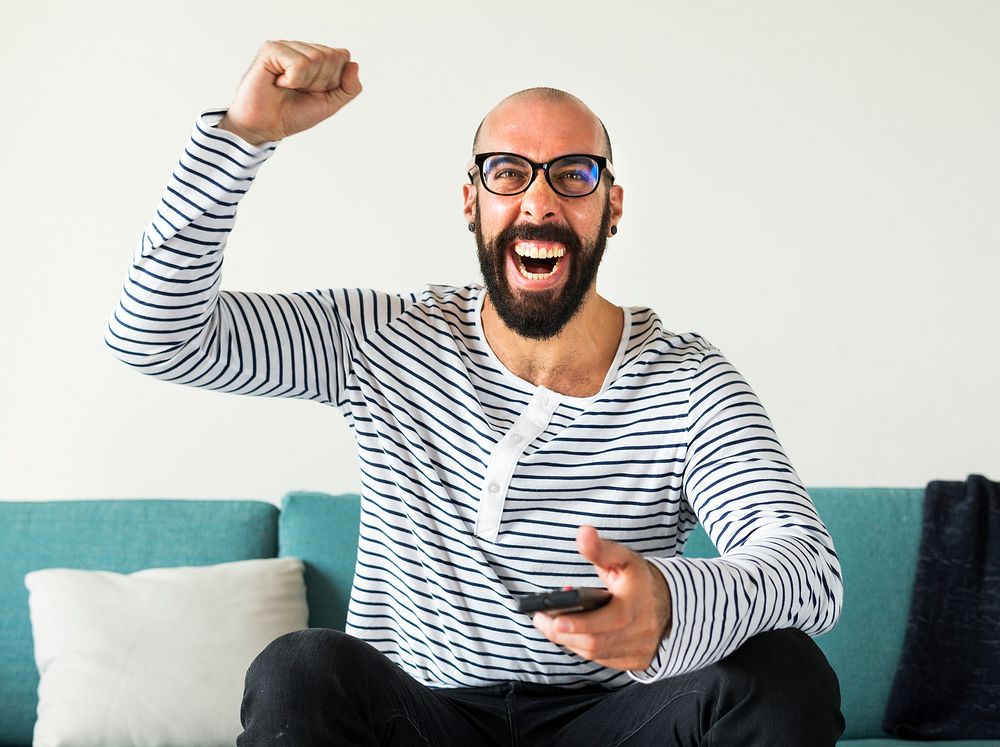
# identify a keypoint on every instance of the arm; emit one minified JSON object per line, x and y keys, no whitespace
{"x":777,"y":568}
{"x":172,"y":321}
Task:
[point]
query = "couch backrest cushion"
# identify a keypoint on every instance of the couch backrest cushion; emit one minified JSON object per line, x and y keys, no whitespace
{"x":876,"y":532}
{"x":112,"y":535}
{"x":322,"y":530}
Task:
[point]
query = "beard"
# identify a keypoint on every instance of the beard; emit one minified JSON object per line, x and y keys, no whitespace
{"x":540,"y":315}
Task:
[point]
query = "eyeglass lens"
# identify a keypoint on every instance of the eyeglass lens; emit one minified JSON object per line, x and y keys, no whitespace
{"x":572,"y":176}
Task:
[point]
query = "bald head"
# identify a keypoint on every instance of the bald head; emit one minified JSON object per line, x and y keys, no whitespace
{"x":552,"y":96}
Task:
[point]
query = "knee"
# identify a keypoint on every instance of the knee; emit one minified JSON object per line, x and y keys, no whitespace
{"x":294,"y":656}
{"x":784,"y":670}
{"x":292,"y":683}
{"x":776,"y":689}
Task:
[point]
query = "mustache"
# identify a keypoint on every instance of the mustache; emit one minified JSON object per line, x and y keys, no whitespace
{"x":545,"y":232}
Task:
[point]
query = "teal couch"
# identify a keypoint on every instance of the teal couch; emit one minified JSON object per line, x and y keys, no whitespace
{"x":876,"y":532}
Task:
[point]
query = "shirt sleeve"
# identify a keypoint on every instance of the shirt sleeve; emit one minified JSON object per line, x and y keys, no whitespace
{"x":173,"y":322}
{"x":777,"y":566}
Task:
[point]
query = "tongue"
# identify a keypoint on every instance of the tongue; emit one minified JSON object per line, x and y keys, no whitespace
{"x":540,"y":266}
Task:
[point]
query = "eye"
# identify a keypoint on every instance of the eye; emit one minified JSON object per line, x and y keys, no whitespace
{"x":575,"y":171}
{"x":507,"y":169}
{"x":507,"y":173}
{"x":576,"y":175}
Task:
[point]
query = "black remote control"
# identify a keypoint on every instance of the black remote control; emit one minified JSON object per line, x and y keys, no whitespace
{"x":567,"y":599}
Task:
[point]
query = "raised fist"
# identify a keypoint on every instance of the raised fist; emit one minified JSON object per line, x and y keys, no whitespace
{"x":290,"y":87}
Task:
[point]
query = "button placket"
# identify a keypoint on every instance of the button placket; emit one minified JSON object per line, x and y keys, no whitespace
{"x":500,"y":468}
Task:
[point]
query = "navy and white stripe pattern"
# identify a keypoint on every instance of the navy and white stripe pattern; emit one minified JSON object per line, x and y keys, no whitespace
{"x":474,"y":481}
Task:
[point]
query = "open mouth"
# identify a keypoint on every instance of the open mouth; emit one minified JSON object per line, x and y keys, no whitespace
{"x":538,"y":260}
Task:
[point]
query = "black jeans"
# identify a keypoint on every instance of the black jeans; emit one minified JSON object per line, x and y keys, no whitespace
{"x":323,"y":687}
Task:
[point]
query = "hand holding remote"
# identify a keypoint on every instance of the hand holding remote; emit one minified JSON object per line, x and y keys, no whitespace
{"x":625,"y":633}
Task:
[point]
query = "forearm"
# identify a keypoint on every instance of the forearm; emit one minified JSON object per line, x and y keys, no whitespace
{"x":787,"y":580}
{"x":170,"y":296}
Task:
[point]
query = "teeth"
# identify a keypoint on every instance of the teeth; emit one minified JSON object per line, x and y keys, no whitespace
{"x":530,"y":249}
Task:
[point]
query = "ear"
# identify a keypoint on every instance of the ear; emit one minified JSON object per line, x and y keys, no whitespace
{"x":616,"y":196}
{"x":469,"y":198}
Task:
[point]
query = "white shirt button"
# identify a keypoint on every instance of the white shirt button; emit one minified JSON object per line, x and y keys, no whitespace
{"x":516,"y":438}
{"x":493,"y":487}
{"x":544,"y":400}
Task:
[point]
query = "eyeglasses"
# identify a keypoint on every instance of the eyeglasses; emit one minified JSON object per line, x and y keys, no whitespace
{"x":573,"y":175}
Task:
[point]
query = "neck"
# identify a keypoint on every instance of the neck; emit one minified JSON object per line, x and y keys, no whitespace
{"x":574,"y":362}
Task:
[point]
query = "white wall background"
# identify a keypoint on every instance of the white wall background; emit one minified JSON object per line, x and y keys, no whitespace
{"x":815,"y":187}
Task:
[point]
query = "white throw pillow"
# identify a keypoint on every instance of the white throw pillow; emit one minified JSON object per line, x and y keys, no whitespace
{"x":157,"y":657}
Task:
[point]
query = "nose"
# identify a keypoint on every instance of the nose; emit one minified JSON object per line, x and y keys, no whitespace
{"x":539,"y":202}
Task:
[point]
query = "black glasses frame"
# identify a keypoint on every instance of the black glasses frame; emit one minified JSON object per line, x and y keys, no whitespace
{"x":603,"y":165}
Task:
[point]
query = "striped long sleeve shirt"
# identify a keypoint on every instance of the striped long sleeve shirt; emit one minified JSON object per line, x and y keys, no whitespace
{"x":473,"y":480}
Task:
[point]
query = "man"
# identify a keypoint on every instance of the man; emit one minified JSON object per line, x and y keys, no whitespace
{"x":515,"y":438}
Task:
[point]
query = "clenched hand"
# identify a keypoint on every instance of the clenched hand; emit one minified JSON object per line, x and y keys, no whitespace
{"x":290,"y":87}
